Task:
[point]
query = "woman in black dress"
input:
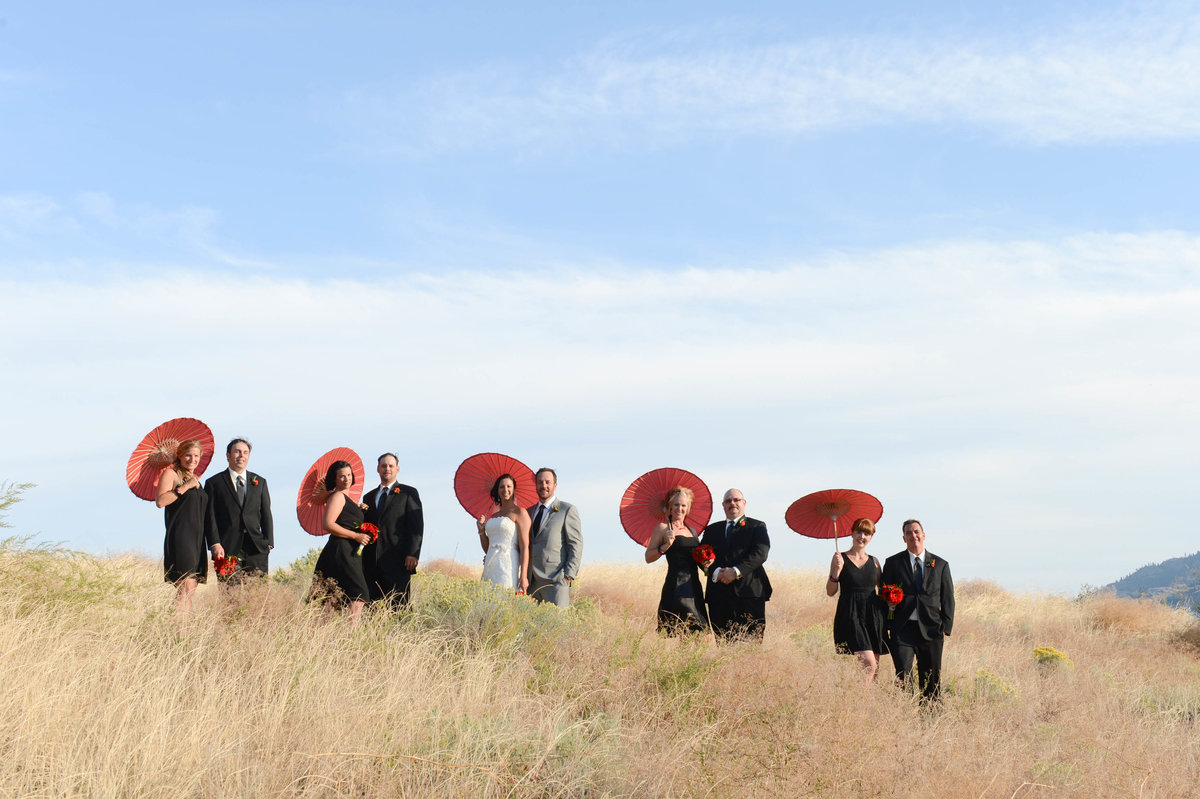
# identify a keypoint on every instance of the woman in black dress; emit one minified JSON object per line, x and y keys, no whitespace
{"x":184,"y":503}
{"x":855,"y":578}
{"x":338,"y":578}
{"x":681,"y":608}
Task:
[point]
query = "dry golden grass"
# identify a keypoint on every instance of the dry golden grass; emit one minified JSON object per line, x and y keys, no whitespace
{"x":477,"y":694}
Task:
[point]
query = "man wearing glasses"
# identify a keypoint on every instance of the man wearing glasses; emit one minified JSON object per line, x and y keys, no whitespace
{"x":738,"y":588}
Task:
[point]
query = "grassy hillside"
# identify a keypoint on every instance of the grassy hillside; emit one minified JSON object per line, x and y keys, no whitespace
{"x":474,"y":694}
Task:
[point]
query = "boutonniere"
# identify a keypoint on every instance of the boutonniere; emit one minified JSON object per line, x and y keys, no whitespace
{"x":931,"y":564}
{"x":395,"y":489}
{"x":554,"y":509}
{"x":742,"y":523}
{"x":254,"y":480}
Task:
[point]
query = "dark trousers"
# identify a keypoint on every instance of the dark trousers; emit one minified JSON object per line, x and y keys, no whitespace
{"x":248,"y":566}
{"x":906,"y":642}
{"x":394,"y":590}
{"x":737,"y":617}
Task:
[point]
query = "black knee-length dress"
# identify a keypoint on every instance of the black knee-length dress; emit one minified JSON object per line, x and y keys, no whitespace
{"x":338,"y":575}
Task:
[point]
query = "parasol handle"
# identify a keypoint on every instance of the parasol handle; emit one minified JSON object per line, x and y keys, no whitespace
{"x":835,"y":533}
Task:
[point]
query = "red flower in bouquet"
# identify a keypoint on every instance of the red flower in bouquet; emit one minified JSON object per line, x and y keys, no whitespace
{"x":893,"y":595}
{"x":369,"y":529}
{"x":703,"y":554}
{"x":225,"y":566}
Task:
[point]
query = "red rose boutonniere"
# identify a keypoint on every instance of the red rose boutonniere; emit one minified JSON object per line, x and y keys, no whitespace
{"x":225,"y":566}
{"x":931,"y":563}
{"x":395,"y":489}
{"x":253,"y":481}
{"x":554,"y":509}
{"x":369,"y":529}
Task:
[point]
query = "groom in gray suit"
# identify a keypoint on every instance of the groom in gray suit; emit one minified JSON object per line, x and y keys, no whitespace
{"x":555,"y":543}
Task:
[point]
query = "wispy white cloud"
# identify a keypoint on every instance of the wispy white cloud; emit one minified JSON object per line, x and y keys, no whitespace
{"x":1116,"y":77}
{"x":27,"y":215}
{"x":966,"y":382}
{"x":45,"y":228}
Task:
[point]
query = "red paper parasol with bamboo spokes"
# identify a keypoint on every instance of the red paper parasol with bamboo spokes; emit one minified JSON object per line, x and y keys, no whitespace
{"x":816,"y":515}
{"x":157,"y":452}
{"x":477,"y":474}
{"x":642,"y":503}
{"x":310,"y":501}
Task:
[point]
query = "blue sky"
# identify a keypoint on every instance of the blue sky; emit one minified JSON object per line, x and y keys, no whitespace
{"x":942,"y":253}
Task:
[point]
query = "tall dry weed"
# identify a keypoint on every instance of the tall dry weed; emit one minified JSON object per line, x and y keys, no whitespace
{"x":475,"y":693}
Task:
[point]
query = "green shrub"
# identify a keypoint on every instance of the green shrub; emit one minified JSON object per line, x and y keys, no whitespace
{"x":481,"y":615}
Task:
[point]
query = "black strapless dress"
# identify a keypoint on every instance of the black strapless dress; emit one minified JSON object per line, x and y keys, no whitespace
{"x":184,"y":553}
{"x":681,"y":608}
{"x":338,"y":576}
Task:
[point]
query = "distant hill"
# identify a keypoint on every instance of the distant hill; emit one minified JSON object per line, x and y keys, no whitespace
{"x":1175,"y":581}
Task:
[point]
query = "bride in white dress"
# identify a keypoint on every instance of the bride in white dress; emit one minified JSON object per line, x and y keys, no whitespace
{"x":505,"y":538}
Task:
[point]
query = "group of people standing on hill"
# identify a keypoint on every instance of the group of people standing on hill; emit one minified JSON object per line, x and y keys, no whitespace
{"x":919,"y":604}
{"x":374,"y":546}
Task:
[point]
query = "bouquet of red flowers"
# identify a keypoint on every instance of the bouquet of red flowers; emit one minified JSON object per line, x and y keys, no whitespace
{"x":893,"y":595}
{"x":225,"y":566}
{"x":703,"y":554}
{"x":369,"y":529}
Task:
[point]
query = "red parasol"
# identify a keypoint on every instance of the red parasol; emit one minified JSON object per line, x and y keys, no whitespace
{"x":310,"y":501}
{"x":816,"y":515}
{"x":642,"y":504}
{"x":477,"y":474}
{"x":157,"y":452}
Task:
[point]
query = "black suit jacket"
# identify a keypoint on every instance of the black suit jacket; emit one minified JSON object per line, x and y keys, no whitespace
{"x":240,"y":529}
{"x":401,"y":527}
{"x":934,"y":602}
{"x":746,"y":551}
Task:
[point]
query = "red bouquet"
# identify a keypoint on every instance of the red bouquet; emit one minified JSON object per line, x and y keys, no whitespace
{"x":893,"y":595}
{"x":225,"y":566}
{"x":369,"y":529}
{"x":703,"y":554}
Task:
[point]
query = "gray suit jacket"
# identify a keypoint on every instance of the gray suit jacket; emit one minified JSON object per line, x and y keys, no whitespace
{"x":556,"y":552}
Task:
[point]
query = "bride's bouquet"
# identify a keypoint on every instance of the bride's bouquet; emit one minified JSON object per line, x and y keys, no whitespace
{"x":369,"y":529}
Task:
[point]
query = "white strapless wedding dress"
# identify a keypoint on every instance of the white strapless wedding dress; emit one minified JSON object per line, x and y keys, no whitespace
{"x":502,"y":563}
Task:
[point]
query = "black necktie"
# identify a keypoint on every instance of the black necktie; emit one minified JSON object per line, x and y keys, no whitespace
{"x":381,"y":499}
{"x":241,"y":490}
{"x":918,"y":574}
{"x":537,"y":522}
